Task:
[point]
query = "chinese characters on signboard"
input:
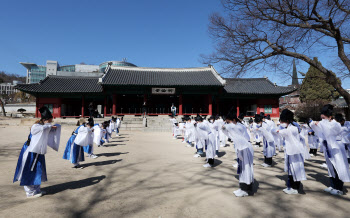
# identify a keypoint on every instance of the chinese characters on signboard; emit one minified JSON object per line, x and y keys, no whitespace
{"x":163,"y":91}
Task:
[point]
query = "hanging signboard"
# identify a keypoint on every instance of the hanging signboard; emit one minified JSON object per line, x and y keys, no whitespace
{"x":163,"y":91}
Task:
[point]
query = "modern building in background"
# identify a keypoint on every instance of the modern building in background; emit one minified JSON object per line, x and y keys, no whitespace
{"x":36,"y":73}
{"x":9,"y":88}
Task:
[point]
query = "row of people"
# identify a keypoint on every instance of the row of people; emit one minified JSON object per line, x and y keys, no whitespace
{"x":31,"y":167}
{"x":332,"y":134}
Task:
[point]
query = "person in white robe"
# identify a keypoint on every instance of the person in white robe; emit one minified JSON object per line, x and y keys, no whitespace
{"x":118,"y":123}
{"x":189,"y":131}
{"x":205,"y":133}
{"x":222,"y":137}
{"x":90,"y":148}
{"x":245,"y":153}
{"x":294,"y":153}
{"x":213,"y":125}
{"x":345,"y":133}
{"x":31,"y":167}
{"x":268,"y":141}
{"x":200,"y":137}
{"x":334,"y":150}
{"x":175,"y":126}
{"x":74,"y":151}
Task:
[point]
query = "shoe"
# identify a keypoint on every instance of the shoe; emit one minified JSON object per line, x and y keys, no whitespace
{"x":78,"y":167}
{"x":93,"y":156}
{"x":35,"y":196}
{"x":265,"y":165}
{"x":257,"y":146}
{"x":207,"y":165}
{"x":235,"y":165}
{"x":312,"y":155}
{"x":43,"y":192}
{"x":238,"y":190}
{"x":117,"y":135}
{"x":285,"y":190}
{"x":329,"y":189}
{"x":336,"y":192}
{"x":183,"y":141}
{"x":196,"y":155}
{"x":216,"y":156}
{"x":291,"y":191}
{"x":241,"y":193}
{"x":324,"y":165}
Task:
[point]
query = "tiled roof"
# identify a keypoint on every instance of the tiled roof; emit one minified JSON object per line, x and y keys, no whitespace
{"x":255,"y":86}
{"x":63,"y":84}
{"x":205,"y":76}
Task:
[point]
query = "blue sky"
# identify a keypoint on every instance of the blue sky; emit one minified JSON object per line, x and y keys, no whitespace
{"x":153,"y":33}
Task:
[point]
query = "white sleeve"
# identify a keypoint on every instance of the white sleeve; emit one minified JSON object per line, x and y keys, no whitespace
{"x":84,"y":137}
{"x":54,"y":137}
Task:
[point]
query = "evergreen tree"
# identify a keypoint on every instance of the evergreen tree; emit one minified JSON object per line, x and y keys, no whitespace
{"x":314,"y":86}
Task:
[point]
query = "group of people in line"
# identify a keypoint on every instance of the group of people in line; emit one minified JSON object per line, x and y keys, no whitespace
{"x":31,"y":168}
{"x":331,"y":135}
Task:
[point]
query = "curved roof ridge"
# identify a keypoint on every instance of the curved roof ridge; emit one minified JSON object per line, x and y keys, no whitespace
{"x":160,"y":69}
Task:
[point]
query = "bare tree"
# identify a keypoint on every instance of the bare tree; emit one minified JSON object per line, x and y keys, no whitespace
{"x":256,"y":34}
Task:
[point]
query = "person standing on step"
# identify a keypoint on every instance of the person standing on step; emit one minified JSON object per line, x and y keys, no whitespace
{"x":173,"y":110}
{"x":31,"y":167}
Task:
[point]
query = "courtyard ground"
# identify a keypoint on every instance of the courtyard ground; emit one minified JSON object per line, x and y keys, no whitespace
{"x":149,"y":174}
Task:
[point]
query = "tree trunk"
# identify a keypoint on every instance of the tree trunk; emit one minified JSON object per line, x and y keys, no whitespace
{"x":3,"y":107}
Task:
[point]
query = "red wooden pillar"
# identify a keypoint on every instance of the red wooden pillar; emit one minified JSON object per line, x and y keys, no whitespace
{"x":82,"y":106}
{"x":210,"y":101}
{"x":105,"y":107}
{"x":37,"y":107}
{"x":59,"y":107}
{"x":237,"y":107}
{"x":180,"y":104}
{"x":114,"y":108}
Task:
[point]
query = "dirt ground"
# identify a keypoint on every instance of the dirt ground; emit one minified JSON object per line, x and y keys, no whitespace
{"x":148,"y":174}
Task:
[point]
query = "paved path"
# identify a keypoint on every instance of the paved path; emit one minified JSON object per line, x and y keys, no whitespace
{"x":146,"y":174}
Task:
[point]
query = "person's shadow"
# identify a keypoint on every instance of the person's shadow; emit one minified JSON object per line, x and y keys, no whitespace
{"x":51,"y":190}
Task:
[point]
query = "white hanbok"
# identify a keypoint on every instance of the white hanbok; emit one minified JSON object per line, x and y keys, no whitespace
{"x":245,"y":152}
{"x":294,"y":150}
{"x":206,"y":134}
{"x":334,"y":151}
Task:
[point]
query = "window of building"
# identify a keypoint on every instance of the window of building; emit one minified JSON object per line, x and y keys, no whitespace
{"x":268,"y":109}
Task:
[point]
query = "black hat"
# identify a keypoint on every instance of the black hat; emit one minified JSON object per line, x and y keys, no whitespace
{"x":241,"y":116}
{"x":327,"y":110}
{"x":262,"y":114}
{"x":287,"y":116}
{"x":198,"y":118}
{"x":339,"y":117}
{"x":211,"y":118}
{"x":251,"y":120}
{"x":45,"y":113}
{"x":230,"y":117}
{"x":257,"y":118}
{"x":268,"y":117}
{"x":91,"y":121}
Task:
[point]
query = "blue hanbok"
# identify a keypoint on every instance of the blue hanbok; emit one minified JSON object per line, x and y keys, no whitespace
{"x":74,"y":152}
{"x":31,"y":167}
